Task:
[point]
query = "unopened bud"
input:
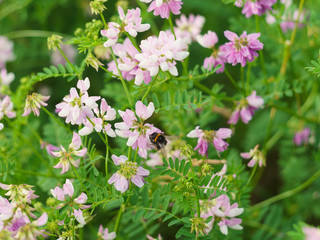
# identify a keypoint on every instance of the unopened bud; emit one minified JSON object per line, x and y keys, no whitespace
{"x":54,"y":41}
{"x":51,"y":202}
{"x":97,"y":6}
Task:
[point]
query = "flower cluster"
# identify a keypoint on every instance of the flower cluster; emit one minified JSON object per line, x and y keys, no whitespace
{"x":6,"y":109}
{"x":241,"y":49}
{"x":288,"y":17}
{"x":65,"y":157}
{"x":164,"y":7}
{"x":245,"y":108}
{"x":207,"y":137}
{"x":133,"y":128}
{"x":65,"y":195}
{"x":189,"y":28}
{"x":103,"y":234}
{"x":311,"y":233}
{"x":218,"y":56}
{"x":17,"y":214}
{"x":129,"y":172}
{"x":130,"y":23}
{"x":161,"y":53}
{"x":302,"y":137}
{"x":254,"y":7}
{"x":222,"y":212}
{"x":256,"y":156}
{"x":34,"y":103}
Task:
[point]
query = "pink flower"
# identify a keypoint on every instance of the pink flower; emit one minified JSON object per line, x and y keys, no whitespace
{"x":218,"y":57}
{"x":289,"y":21}
{"x":256,"y":156}
{"x":245,"y":108}
{"x":243,"y":48}
{"x":164,"y":7}
{"x":79,"y":216}
{"x":6,"y":108}
{"x":208,"y":40}
{"x":255,"y":7}
{"x":152,"y":238}
{"x":100,"y":121}
{"x":60,"y":194}
{"x":5,"y":77}
{"x":78,"y":107}
{"x":311,"y":233}
{"x":162,"y":52}
{"x":105,"y":235}
{"x":66,"y":156}
{"x":136,"y":130}
{"x":49,"y":147}
{"x":6,"y":51}
{"x":6,"y":209}
{"x":19,"y":193}
{"x":220,"y":209}
{"x":302,"y":137}
{"x":189,"y":28}
{"x":207,"y":137}
{"x":128,"y":64}
{"x":129,"y":172}
{"x":34,"y":103}
{"x":130,"y":23}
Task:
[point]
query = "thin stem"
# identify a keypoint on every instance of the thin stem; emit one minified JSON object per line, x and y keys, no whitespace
{"x":232,"y":80}
{"x":104,"y":69}
{"x":23,"y":171}
{"x":104,"y":21}
{"x":242,"y":78}
{"x":121,"y":78}
{"x":288,"y":45}
{"x":66,"y":58}
{"x":78,"y":177}
{"x":149,"y":88}
{"x":136,"y":154}
{"x":248,"y":78}
{"x":119,"y":216}
{"x":252,"y":174}
{"x":286,"y":194}
{"x":55,"y":119}
{"x":261,"y":51}
{"x":129,"y":153}
{"x":31,"y":33}
{"x":171,"y":26}
{"x":107,"y":156}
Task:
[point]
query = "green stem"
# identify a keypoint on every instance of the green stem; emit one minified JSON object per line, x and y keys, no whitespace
{"x":122,"y":80}
{"x":149,"y":88}
{"x":111,"y":73}
{"x":136,"y":154}
{"x":119,"y":216}
{"x":261,"y":51}
{"x":55,"y":119}
{"x":107,"y":157}
{"x":23,"y":171}
{"x":286,"y":194}
{"x":171,"y":26}
{"x":242,"y":78}
{"x":129,"y":153}
{"x":66,"y":58}
{"x":104,"y":21}
{"x":252,"y":174}
{"x":232,"y":80}
{"x":78,"y":177}
{"x":248,"y":78}
{"x":31,"y":33}
{"x":288,"y":45}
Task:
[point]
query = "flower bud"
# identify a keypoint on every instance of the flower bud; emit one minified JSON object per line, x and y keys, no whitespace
{"x":38,"y":206}
{"x":51,"y":202}
{"x":93,"y":61}
{"x":54,"y":41}
{"x":97,"y":6}
{"x":52,"y":226}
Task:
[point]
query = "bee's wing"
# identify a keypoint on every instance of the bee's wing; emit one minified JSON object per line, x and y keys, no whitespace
{"x":171,"y":138}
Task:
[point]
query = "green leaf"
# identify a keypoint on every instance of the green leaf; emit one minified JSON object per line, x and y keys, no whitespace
{"x":61,"y":68}
{"x":155,"y":100}
{"x":69,"y":68}
{"x":138,"y":215}
{"x":165,"y":202}
{"x":186,"y":168}
{"x":156,"y":199}
{"x":167,"y":217}
{"x":47,"y":71}
{"x":176,"y":164}
{"x":150,"y":214}
{"x":171,"y":163}
{"x":54,"y":69}
{"x":173,"y":222}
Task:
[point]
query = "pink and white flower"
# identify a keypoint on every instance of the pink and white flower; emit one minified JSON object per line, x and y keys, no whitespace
{"x":255,"y":7}
{"x":245,"y":108}
{"x":68,"y":190}
{"x":256,"y":156}
{"x":101,"y":120}
{"x":6,"y":108}
{"x":34,"y":103}
{"x":135,"y":130}
{"x":19,"y":193}
{"x":164,"y":7}
{"x":65,"y":157}
{"x":130,"y":23}
{"x":302,"y":137}
{"x":188,"y":29}
{"x":5,"y":77}
{"x":161,"y":53}
{"x":104,"y":234}
{"x":76,"y":108}
{"x":129,"y":172}
{"x":221,"y":210}
{"x":208,"y":40}
{"x":242,"y":49}
{"x":207,"y":137}
{"x":6,"y":209}
{"x":6,"y":51}
{"x":311,"y":233}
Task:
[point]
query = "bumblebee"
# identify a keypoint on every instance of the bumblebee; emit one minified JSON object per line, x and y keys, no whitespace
{"x":158,"y":140}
